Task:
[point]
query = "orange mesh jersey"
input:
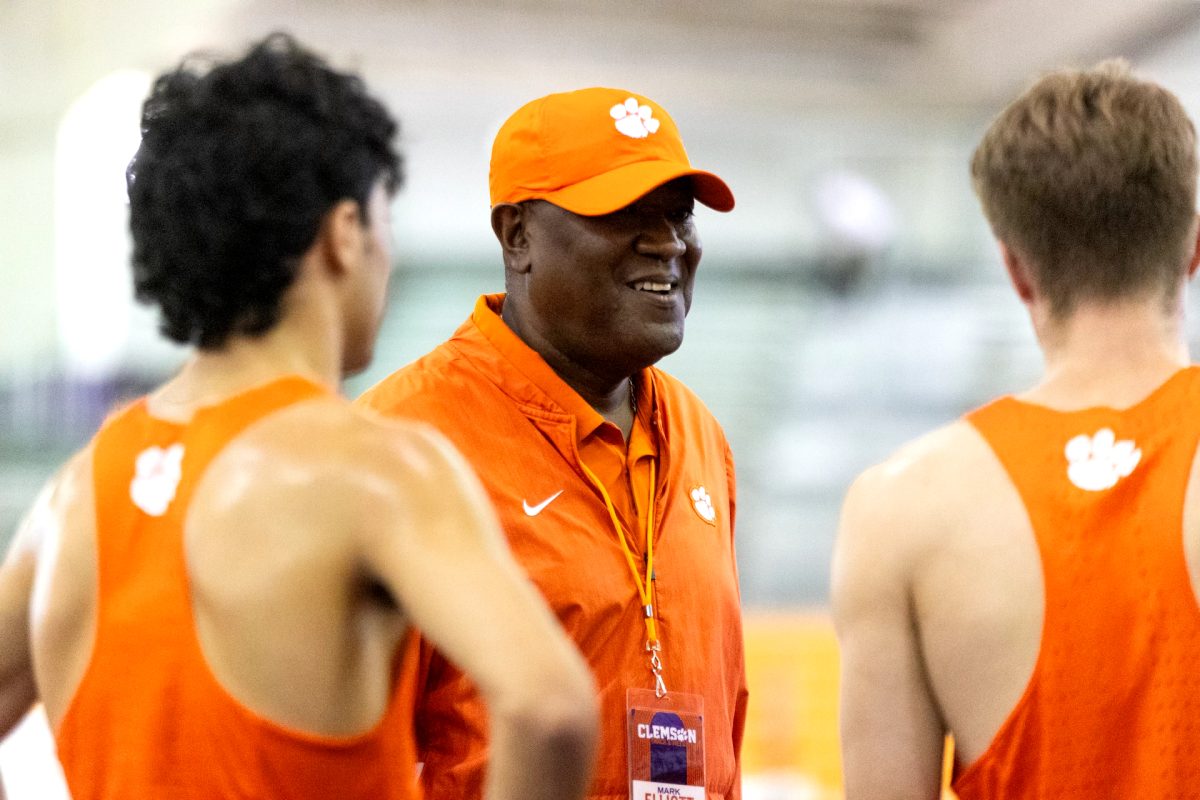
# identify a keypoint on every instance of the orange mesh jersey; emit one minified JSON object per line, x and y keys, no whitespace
{"x":1113,"y":706}
{"x":149,"y":720}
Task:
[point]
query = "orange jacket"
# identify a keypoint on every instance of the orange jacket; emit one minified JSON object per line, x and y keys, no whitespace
{"x":148,"y":719}
{"x":1113,"y":706}
{"x":494,"y":398}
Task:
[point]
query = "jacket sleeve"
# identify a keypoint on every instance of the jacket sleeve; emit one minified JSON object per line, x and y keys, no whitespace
{"x":743,"y":694}
{"x":731,"y":481}
{"x":451,"y":731}
{"x":739,"y":728}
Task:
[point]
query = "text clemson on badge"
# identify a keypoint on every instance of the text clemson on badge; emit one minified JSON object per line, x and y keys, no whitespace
{"x":666,"y":733}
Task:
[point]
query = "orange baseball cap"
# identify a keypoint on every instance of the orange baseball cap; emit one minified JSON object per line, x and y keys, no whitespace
{"x":593,"y":151}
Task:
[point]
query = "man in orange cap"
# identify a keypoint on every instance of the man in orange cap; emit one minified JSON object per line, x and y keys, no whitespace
{"x":613,"y":482}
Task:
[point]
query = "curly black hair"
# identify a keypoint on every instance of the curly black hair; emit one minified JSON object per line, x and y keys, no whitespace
{"x":238,"y":165}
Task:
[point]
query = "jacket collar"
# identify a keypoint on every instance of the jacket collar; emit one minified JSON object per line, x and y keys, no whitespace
{"x":522,"y":374}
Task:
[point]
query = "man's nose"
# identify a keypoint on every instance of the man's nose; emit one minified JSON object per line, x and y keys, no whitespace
{"x":660,"y":239}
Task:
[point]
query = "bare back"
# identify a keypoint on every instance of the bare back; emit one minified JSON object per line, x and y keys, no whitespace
{"x":977,"y":593}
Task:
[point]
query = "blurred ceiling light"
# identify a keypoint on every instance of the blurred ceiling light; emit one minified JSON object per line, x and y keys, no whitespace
{"x":96,"y":139}
{"x":854,"y":212}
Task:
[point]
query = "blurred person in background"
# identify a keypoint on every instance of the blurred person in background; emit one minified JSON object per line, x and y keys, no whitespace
{"x":614,"y":484}
{"x":1026,"y":578}
{"x":217,"y":597}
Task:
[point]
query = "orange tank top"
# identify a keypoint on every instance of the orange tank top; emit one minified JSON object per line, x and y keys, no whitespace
{"x":149,"y":720}
{"x":1113,"y":706}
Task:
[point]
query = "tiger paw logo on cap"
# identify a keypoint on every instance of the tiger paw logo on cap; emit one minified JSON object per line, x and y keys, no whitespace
{"x":157,"y":477}
{"x":633,"y":119}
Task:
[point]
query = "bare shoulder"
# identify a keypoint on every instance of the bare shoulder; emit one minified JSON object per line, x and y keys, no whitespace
{"x":330,"y":433}
{"x":338,"y":483}
{"x":409,"y":448}
{"x":357,"y":452}
{"x":63,"y":500}
{"x":904,"y":506}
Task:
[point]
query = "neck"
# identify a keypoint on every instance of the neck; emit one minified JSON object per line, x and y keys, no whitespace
{"x":303,"y":343}
{"x":612,"y":400}
{"x":611,"y":396}
{"x":1109,"y":354}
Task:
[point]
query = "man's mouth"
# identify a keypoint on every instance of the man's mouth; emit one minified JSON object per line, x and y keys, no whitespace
{"x":654,"y":287}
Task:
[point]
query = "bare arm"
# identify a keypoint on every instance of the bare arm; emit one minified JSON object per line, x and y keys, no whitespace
{"x":892,"y":733}
{"x":452,"y":572}
{"x":18,"y":690}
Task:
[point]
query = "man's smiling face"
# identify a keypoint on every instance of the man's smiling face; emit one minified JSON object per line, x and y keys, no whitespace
{"x":611,"y":292}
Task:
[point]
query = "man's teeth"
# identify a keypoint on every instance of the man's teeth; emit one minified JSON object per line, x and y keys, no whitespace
{"x":651,"y":286}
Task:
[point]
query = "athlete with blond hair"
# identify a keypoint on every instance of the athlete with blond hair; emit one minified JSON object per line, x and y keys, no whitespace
{"x":1026,"y":578}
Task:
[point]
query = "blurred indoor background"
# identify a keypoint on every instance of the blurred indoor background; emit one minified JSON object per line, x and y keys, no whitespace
{"x":852,"y":300}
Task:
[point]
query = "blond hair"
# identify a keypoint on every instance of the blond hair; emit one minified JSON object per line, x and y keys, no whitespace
{"x":1090,"y":176}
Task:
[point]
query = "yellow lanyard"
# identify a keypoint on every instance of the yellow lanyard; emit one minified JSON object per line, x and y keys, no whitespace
{"x":645,"y":586}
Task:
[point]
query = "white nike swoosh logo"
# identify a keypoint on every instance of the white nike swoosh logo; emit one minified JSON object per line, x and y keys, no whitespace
{"x":533,"y":511}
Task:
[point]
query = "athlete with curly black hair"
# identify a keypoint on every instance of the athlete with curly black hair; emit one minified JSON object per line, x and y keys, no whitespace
{"x":217,"y":597}
{"x":237,"y":168}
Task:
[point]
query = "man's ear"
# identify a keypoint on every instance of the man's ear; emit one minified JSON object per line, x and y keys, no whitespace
{"x":1195,"y":259}
{"x":510,"y":224}
{"x":342,"y":235}
{"x":1019,"y":273}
